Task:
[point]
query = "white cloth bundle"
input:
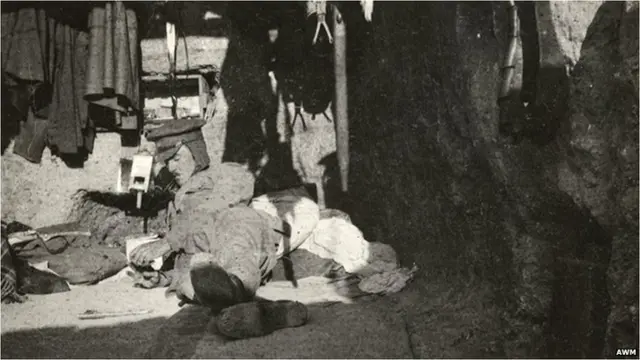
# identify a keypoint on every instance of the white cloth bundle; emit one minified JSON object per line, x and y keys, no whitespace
{"x":377,"y":263}
{"x":296,"y":208}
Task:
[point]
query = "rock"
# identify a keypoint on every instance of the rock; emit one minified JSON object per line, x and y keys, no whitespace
{"x":435,"y":179}
{"x":629,"y":43}
{"x":600,"y":169}
{"x":562,"y":27}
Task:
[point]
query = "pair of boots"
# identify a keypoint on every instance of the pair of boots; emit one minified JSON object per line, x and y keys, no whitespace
{"x":239,"y":316}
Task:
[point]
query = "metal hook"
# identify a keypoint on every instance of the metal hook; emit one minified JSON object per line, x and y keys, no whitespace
{"x":321,"y":12}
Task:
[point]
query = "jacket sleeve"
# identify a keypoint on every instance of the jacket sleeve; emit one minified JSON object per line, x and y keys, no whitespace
{"x":188,"y":231}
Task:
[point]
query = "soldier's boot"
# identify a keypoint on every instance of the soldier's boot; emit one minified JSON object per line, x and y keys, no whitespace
{"x":213,"y":287}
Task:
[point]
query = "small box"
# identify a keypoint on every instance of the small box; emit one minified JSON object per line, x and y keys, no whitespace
{"x":141,"y":173}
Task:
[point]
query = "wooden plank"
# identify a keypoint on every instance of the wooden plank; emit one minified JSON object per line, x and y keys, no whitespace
{"x":161,"y":77}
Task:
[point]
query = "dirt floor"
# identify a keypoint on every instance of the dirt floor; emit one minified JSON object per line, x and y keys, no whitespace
{"x":425,"y":320}
{"x":47,"y":326}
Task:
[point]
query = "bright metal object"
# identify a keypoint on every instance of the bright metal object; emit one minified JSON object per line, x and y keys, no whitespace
{"x":320,"y":9}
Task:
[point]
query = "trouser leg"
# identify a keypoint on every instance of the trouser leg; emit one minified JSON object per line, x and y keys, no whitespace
{"x":234,"y":273}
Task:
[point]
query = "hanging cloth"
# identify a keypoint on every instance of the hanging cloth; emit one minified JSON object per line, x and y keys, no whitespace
{"x":70,"y":131}
{"x":38,"y":48}
{"x":113,"y":78}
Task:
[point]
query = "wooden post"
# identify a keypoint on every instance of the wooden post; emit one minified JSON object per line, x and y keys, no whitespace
{"x":203,"y":92}
{"x":342,"y":120}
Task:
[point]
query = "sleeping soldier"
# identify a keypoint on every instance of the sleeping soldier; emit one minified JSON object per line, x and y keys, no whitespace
{"x":226,"y":243}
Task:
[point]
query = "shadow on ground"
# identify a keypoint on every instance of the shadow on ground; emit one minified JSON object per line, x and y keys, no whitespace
{"x":430,"y":318}
{"x":426,"y":320}
{"x":334,"y":331}
{"x":123,"y":341}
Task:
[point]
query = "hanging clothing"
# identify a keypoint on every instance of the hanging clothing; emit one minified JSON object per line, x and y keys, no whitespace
{"x":28,"y":44}
{"x":70,"y":131}
{"x":37,"y":47}
{"x":113,"y":68}
{"x":100,"y":67}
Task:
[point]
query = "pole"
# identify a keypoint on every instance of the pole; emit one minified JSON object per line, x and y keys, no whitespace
{"x":342,"y":120}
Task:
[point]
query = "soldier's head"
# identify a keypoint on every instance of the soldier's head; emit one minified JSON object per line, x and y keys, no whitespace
{"x":180,"y":148}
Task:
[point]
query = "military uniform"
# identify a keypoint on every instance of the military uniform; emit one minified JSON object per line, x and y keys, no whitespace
{"x":213,"y":218}
{"x":241,"y":240}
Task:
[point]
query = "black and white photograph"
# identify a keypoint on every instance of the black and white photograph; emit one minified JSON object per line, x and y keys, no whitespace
{"x":320,"y":179}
